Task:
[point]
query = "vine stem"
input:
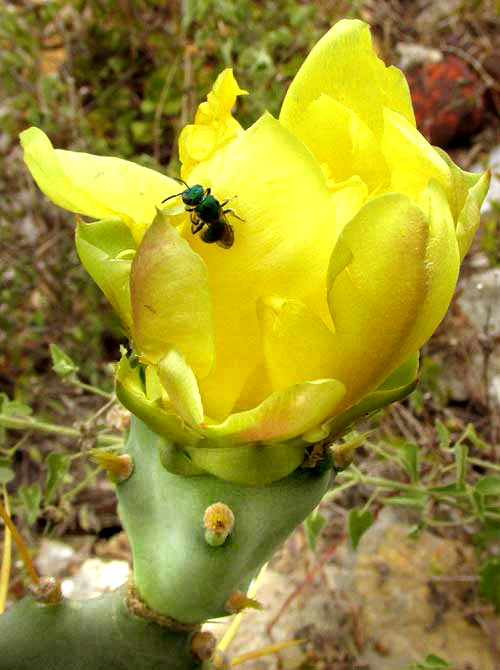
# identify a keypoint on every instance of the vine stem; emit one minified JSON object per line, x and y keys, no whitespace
{"x":22,"y":548}
{"x":21,"y":423}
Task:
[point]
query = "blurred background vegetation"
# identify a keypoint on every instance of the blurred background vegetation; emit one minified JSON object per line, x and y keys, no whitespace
{"x":122,"y":77}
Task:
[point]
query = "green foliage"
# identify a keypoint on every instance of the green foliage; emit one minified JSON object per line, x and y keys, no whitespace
{"x":431,"y":662}
{"x":358,"y":521}
{"x":490,"y":581}
{"x":314,"y":524}
{"x":62,"y":364}
{"x":63,"y":477}
{"x":490,"y":239}
{"x":30,"y":497}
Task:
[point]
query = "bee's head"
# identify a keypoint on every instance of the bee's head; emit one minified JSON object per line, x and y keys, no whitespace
{"x":193,"y":195}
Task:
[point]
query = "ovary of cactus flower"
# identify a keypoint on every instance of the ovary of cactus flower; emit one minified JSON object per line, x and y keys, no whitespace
{"x":347,"y":246}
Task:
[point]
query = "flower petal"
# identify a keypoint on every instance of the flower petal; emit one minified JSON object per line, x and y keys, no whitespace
{"x":469,"y":217}
{"x":171,"y":303}
{"x":281,"y":416}
{"x":344,"y":66}
{"x":96,"y":186}
{"x":214,"y":124}
{"x":392,"y":275}
{"x":132,"y":393}
{"x":106,"y":249}
{"x":340,"y":139}
{"x":179,"y":382}
{"x":412,"y":160}
{"x":297,"y":345}
{"x":287,"y":234}
{"x":468,"y":190}
{"x":399,"y":385}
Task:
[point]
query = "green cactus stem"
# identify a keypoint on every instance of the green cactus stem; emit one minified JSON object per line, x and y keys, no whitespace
{"x":175,"y":571}
{"x":97,"y":634}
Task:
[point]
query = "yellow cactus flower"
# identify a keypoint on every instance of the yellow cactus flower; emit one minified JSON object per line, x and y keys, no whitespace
{"x":345,"y":229}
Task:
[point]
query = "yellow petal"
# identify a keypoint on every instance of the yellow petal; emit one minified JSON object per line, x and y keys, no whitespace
{"x":180,"y":383}
{"x":392,"y":275}
{"x":96,"y":186}
{"x":468,"y":190}
{"x":281,"y":416}
{"x":214,"y":124}
{"x":344,"y":66}
{"x":340,"y":139}
{"x":282,"y":246}
{"x":297,"y":345}
{"x":131,"y":392}
{"x":171,"y":305}
{"x":106,"y":249}
{"x":470,"y":214}
{"x":411,"y":159}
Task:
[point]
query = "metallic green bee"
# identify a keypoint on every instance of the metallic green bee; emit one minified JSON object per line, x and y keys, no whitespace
{"x":207,"y":213}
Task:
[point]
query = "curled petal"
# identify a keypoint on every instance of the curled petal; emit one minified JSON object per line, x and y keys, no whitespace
{"x":412,"y":160}
{"x":281,"y":416}
{"x":179,"y":382}
{"x":132,"y":392}
{"x":344,"y":66}
{"x":466,"y":195}
{"x":106,"y":249}
{"x":214,"y":124}
{"x":96,"y":186}
{"x":171,"y":303}
{"x":391,"y":278}
{"x":297,"y":345}
{"x":340,"y":139}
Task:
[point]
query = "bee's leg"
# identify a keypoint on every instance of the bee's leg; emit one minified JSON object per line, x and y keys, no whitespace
{"x":232,"y":212}
{"x":208,"y":191}
{"x":228,"y":200}
{"x":196,"y":224}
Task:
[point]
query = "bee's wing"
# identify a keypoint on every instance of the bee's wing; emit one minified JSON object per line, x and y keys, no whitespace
{"x":227,"y":238}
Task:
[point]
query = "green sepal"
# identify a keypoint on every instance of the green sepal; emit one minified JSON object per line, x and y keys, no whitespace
{"x":253,"y":465}
{"x":396,"y":387}
{"x":106,"y":249}
{"x":176,"y":461}
{"x":131,"y":392}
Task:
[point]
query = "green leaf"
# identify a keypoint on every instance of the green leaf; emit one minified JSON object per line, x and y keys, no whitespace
{"x":443,"y":435}
{"x":358,"y":522}
{"x":489,"y":584}
{"x":31,"y":497}
{"x":461,"y":452}
{"x":477,"y":501}
{"x":490,"y":532}
{"x":409,"y":459}
{"x":14,"y":407}
{"x":488,"y":486}
{"x":6,"y":475}
{"x":61,"y":362}
{"x":57,"y":467}
{"x":314,"y":524}
{"x":432,"y":661}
